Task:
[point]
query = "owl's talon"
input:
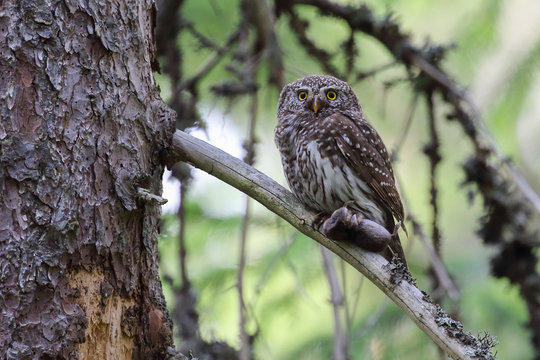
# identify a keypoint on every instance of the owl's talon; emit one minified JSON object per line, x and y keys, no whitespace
{"x":346,"y":224}
{"x":356,"y":220}
{"x":352,"y":217}
{"x":319,"y":220}
{"x":343,"y":219}
{"x":348,"y":215}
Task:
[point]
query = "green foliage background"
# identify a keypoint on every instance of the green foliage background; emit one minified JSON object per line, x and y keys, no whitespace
{"x":496,"y":58}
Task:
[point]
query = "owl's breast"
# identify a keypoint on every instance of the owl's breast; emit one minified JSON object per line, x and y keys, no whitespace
{"x":324,"y":182}
{"x":318,"y":174}
{"x":326,"y":185}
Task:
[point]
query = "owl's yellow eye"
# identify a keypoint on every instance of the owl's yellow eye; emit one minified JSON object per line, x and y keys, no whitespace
{"x":302,"y":95}
{"x":331,"y":95}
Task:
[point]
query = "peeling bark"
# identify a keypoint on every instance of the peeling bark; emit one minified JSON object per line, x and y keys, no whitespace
{"x":82,"y":126}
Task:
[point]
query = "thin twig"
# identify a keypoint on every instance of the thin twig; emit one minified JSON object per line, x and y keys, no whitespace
{"x":341,"y":346}
{"x":181,"y":214}
{"x":348,"y":318}
{"x":351,"y":52}
{"x":208,"y":65}
{"x":203,"y":41}
{"x":405,"y":131}
{"x":524,"y":186}
{"x":432,"y":152}
{"x":356,"y":300}
{"x":443,"y":278}
{"x":370,"y":73}
{"x":249,"y":58}
{"x":323,"y":57}
{"x":263,"y":20}
{"x":245,"y":348}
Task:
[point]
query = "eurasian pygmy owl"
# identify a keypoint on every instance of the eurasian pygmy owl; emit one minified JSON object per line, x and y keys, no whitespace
{"x":332,"y":156}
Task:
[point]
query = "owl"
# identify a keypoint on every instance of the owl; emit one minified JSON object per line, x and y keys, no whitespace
{"x":333,"y":157}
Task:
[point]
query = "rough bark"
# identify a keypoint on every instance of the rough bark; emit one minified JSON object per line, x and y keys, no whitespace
{"x":82,"y":126}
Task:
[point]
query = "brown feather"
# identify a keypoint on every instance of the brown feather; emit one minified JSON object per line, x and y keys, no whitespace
{"x":370,"y":162}
{"x":367,"y":158}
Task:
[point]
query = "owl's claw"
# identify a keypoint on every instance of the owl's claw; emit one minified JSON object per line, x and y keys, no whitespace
{"x":319,"y":220}
{"x":341,"y":222}
{"x":355,"y":220}
{"x":347,"y":224}
{"x":352,"y":217}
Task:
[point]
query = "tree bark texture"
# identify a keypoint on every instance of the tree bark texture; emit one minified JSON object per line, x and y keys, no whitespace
{"x":82,"y":126}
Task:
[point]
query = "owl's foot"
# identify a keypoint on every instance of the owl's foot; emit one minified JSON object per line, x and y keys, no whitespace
{"x":347,"y":224}
{"x":318,"y":220}
{"x":338,"y":226}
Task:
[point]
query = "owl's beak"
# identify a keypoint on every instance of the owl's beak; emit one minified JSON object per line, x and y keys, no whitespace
{"x":316,"y":104}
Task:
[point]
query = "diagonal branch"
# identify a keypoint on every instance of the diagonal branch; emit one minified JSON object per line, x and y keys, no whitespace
{"x":444,"y":331}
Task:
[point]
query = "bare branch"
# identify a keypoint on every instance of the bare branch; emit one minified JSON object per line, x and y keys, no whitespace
{"x":439,"y":269}
{"x":210,"y":63}
{"x":299,"y":27}
{"x":432,"y":151}
{"x":245,"y":348}
{"x":405,"y":132}
{"x":249,"y":146}
{"x":445,"y":332}
{"x":337,"y":299}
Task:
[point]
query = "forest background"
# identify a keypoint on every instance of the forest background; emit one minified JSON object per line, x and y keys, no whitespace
{"x":490,"y":48}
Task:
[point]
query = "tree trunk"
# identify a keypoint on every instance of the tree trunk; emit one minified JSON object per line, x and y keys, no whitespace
{"x":82,"y":128}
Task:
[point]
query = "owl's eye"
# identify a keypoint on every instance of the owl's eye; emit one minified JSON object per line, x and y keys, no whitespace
{"x":331,"y":95}
{"x":302,"y":95}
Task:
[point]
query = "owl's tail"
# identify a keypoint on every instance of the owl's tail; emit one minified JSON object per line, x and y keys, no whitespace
{"x":394,"y":248}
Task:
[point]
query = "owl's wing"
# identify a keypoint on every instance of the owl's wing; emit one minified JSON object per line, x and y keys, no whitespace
{"x":366,"y":154}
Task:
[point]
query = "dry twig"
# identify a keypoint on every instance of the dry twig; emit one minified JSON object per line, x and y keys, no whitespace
{"x":341,"y":346}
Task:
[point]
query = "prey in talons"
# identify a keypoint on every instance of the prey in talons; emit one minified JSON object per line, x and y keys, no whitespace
{"x":347,"y":224}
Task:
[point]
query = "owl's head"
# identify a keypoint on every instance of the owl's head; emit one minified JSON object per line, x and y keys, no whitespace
{"x":317,"y":95}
